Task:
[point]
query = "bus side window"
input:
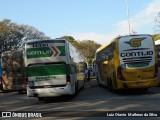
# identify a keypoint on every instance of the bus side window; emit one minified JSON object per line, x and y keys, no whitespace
{"x":106,"y":56}
{"x":111,"y":51}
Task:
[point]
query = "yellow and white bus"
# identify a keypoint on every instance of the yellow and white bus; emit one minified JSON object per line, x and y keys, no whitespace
{"x":157,"y":43}
{"x":54,"y":68}
{"x":127,"y":62}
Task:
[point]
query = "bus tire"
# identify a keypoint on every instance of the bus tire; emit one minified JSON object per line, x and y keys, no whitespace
{"x":75,"y":93}
{"x":99,"y":84}
{"x":83,"y":84}
{"x":1,"y":87}
{"x":40,"y":98}
{"x":76,"y":89}
{"x":107,"y":83}
{"x":144,"y":90}
{"x":20,"y":91}
{"x":110,"y":85}
{"x":97,"y":79}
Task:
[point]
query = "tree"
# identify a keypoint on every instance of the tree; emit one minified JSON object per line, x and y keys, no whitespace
{"x":156,"y":37}
{"x":9,"y":35}
{"x":88,"y":48}
{"x":70,"y":39}
{"x":13,"y":36}
{"x":30,"y":33}
{"x":157,"y":23}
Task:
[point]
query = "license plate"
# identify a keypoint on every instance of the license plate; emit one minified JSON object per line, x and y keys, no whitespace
{"x":139,"y":83}
{"x":47,"y":86}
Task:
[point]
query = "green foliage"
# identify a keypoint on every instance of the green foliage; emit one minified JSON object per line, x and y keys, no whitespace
{"x":87,"y":47}
{"x":156,"y":37}
{"x":9,"y":35}
{"x":12,"y":35}
{"x":29,"y":33}
{"x":70,"y":39}
{"x":157,"y":23}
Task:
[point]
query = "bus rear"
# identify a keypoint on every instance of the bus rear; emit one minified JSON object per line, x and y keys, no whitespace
{"x":137,"y":59}
{"x":1,"y":85}
{"x":13,"y":74}
{"x":48,"y":68}
{"x":157,"y":43}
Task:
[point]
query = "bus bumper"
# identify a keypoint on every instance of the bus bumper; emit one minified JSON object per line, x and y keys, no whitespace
{"x":138,"y":84}
{"x":50,"y":92}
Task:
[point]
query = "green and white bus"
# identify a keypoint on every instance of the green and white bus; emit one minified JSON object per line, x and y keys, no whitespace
{"x":54,"y":68}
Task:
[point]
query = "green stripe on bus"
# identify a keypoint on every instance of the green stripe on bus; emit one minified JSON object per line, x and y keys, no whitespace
{"x":62,"y":50}
{"x":48,"y":70}
{"x":45,"y":51}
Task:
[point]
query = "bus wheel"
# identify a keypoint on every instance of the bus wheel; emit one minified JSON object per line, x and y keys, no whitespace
{"x":97,"y":79}
{"x":99,"y":84}
{"x":144,"y":90}
{"x":1,"y":86}
{"x":110,"y":85}
{"x":83,"y":84}
{"x":20,"y":91}
{"x":76,"y":89}
{"x":40,"y":98}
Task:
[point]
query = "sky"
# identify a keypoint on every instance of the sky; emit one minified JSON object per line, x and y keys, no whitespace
{"x":98,"y":20}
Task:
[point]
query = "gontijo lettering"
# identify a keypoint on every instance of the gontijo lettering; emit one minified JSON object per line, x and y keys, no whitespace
{"x":135,"y":54}
{"x":39,"y":52}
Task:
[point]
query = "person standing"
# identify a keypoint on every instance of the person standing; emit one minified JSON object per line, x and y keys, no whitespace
{"x":88,"y":75}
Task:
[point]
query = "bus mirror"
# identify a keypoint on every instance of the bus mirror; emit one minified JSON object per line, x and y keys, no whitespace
{"x":105,"y":62}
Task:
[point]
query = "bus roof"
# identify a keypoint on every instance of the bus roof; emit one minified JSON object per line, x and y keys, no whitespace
{"x":102,"y":47}
{"x":32,"y":41}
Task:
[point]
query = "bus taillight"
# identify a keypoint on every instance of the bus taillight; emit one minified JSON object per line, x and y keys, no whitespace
{"x":0,"y":80}
{"x":1,"y":84}
{"x":119,"y":73}
{"x":156,"y":71}
{"x":26,"y":81}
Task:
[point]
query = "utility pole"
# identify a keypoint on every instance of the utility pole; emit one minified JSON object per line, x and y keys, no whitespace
{"x":128,"y":16}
